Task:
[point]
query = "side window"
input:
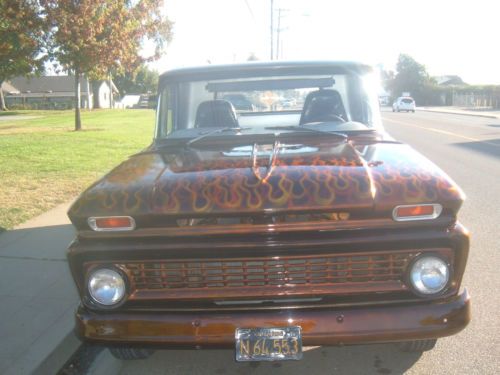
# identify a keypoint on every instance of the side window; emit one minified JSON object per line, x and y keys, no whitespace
{"x":165,"y":118}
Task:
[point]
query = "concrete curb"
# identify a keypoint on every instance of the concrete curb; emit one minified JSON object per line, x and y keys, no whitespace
{"x":59,"y":356}
{"x":105,"y":364}
{"x":458,"y":113}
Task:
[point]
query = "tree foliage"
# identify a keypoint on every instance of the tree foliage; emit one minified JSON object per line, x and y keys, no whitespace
{"x":23,"y":39}
{"x":411,"y":77}
{"x":142,"y":81}
{"x":98,"y":38}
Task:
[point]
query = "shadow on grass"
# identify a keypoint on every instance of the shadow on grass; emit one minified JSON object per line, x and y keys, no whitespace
{"x":491,"y":147}
{"x":9,"y":113}
{"x":2,"y":229}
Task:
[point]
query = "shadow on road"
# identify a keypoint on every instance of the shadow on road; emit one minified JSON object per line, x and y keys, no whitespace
{"x":491,"y":147}
{"x":494,"y":125}
{"x":37,"y":299}
{"x":365,"y":359}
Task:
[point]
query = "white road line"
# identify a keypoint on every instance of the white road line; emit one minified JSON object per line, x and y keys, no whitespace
{"x":441,"y":131}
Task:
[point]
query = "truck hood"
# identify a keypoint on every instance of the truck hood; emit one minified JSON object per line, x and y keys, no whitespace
{"x":247,"y":179}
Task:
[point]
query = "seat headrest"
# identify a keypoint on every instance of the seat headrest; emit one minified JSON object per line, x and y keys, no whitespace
{"x":215,"y":113}
{"x":322,"y":105}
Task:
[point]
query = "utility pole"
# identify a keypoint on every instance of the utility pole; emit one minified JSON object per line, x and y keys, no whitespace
{"x":279,"y":42}
{"x":278,"y":35}
{"x":272,"y":29}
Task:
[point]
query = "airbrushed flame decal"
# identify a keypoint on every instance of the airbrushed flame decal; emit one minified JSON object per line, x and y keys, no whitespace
{"x":208,"y":182}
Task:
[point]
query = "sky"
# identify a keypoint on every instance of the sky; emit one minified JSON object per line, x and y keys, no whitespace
{"x":450,"y":37}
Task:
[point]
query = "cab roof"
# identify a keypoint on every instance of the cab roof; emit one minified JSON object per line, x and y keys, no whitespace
{"x":262,"y":69}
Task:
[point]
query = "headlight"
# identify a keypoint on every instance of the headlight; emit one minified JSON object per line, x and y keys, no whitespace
{"x":106,"y":286}
{"x":429,"y":275}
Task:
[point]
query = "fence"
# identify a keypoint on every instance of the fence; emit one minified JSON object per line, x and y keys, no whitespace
{"x":477,"y":100}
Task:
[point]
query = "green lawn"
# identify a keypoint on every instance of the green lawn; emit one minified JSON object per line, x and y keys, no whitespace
{"x":43,"y":162}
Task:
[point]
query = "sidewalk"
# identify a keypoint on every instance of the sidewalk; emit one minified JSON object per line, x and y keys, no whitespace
{"x":37,"y":296}
{"x":462,"y":111}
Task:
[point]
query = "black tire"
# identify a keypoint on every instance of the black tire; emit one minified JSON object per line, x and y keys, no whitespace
{"x":130,"y":353}
{"x":417,"y":346}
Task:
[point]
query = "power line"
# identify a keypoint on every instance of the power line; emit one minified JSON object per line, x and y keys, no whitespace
{"x":250,"y":10}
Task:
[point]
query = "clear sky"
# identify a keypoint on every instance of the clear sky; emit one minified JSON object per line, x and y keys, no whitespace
{"x":459,"y":37}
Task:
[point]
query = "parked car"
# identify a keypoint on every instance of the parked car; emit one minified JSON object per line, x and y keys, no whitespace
{"x":240,"y":102}
{"x":403,"y":103}
{"x":269,"y":231}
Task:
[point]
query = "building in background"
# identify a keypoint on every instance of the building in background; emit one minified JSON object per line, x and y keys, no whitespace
{"x":56,"y":92}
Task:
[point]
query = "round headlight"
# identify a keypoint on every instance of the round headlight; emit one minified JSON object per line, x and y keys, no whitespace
{"x":429,"y":275}
{"x":106,"y":286}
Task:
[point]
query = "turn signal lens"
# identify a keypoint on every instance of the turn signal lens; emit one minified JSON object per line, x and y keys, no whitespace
{"x":111,"y":223}
{"x":417,"y":212}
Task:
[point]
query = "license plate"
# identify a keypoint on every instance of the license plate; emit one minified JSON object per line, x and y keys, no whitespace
{"x":268,"y":344}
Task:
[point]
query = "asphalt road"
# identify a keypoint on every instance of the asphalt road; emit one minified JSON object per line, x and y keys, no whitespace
{"x":468,"y":149}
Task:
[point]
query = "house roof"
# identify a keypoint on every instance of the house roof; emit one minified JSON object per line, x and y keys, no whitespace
{"x":449,"y":80}
{"x":46,"y":84}
{"x":8,"y":88}
{"x":42,"y":86}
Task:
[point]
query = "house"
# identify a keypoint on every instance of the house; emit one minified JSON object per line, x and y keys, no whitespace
{"x":449,"y":80}
{"x":56,"y":92}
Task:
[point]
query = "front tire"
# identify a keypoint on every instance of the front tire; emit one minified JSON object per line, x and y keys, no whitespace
{"x":417,"y":346}
{"x":126,"y":354}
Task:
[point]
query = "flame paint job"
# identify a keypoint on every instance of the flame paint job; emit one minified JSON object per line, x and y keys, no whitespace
{"x":320,"y":177}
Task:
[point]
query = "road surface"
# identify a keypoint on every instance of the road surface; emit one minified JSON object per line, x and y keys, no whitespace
{"x":468,"y":149}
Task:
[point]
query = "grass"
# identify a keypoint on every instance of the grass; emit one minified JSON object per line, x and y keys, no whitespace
{"x":44,"y":162}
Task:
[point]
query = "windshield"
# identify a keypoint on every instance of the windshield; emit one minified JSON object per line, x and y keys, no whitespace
{"x":336,"y":102}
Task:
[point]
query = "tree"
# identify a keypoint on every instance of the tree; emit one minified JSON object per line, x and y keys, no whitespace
{"x":23,"y":40}
{"x":98,"y":38}
{"x":412,"y":77}
{"x":142,"y":81}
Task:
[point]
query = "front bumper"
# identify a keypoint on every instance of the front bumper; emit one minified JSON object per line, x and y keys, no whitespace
{"x":331,"y":326}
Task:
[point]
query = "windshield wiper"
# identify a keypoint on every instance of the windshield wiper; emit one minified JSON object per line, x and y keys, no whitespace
{"x":190,"y":143}
{"x":310,"y":130}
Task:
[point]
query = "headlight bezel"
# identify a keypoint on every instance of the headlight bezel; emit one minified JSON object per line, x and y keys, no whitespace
{"x":446,"y":286}
{"x":91,"y":301}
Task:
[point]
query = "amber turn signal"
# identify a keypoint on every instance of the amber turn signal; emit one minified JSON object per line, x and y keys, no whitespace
{"x":417,"y":212}
{"x":111,"y":223}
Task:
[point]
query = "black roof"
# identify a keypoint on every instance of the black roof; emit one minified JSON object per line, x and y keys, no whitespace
{"x":262,"y":69}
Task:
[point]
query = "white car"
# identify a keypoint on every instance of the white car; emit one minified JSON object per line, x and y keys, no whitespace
{"x":403,"y":103}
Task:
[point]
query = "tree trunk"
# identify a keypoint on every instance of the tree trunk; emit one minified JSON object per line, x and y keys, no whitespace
{"x":3,"y":107}
{"x":78,"y":121}
{"x":110,"y":92}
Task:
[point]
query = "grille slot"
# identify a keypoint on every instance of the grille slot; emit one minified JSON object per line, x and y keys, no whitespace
{"x":288,"y":275}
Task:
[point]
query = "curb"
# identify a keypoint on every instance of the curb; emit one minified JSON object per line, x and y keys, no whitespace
{"x":458,"y":113}
{"x":59,"y":356}
{"x":105,"y":364}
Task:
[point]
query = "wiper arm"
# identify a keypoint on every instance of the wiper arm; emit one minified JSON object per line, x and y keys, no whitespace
{"x":310,"y":130}
{"x":190,"y":143}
